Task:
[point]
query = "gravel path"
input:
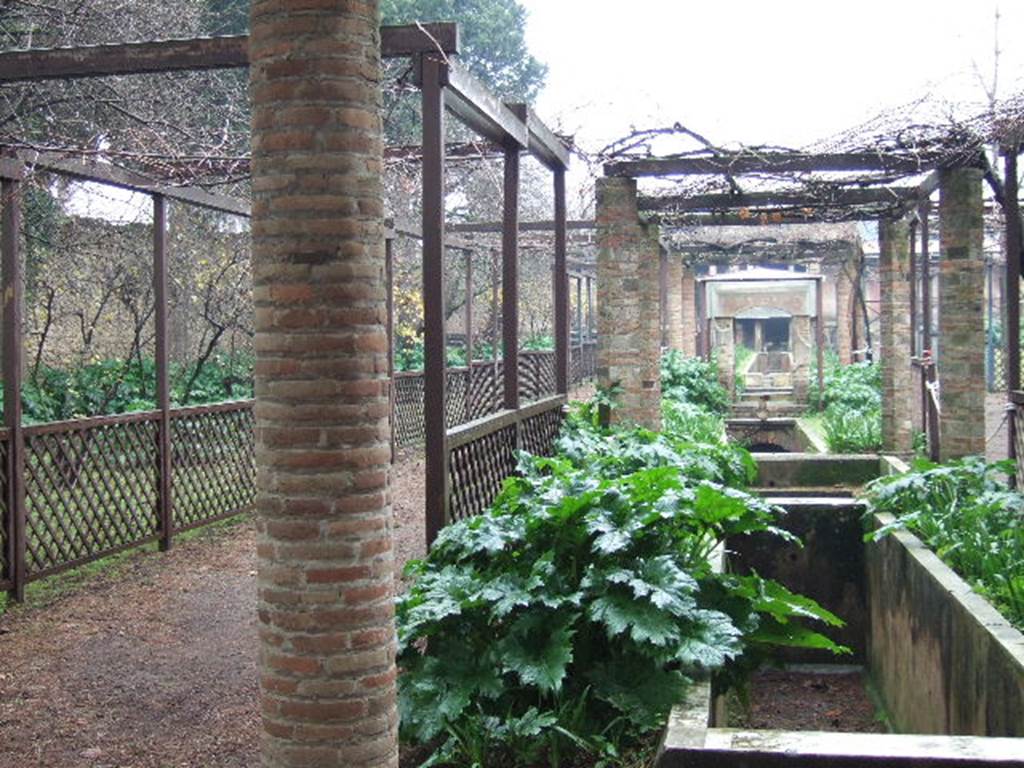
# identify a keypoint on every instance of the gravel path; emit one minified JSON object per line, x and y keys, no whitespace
{"x":153,"y":665}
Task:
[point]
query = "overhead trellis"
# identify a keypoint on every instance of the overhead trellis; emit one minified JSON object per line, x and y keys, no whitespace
{"x":880,"y":169}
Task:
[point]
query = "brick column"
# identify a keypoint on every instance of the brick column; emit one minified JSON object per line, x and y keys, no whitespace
{"x":894,"y":334}
{"x":844,"y":312}
{"x":724,"y":349}
{"x":961,"y":362}
{"x":801,"y":342}
{"x":688,"y":312}
{"x":326,"y":626}
{"x":628,"y":304}
{"x":674,"y":300}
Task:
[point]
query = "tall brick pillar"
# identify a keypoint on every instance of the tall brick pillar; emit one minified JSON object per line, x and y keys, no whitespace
{"x":894,"y":332}
{"x":688,"y":312}
{"x":801,"y":343}
{"x":628,"y":304}
{"x":326,"y":622}
{"x":724,"y":349}
{"x":961,"y":362}
{"x":674,"y":301}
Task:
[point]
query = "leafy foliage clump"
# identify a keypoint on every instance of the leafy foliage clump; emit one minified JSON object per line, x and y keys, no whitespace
{"x":113,"y":386}
{"x":852,"y":401}
{"x":571,"y":616}
{"x":963,"y":511}
{"x":693,"y":380}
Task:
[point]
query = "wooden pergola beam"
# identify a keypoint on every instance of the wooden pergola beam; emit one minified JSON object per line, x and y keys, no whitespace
{"x":485,"y":227}
{"x":764,"y":216}
{"x":776,"y":162}
{"x":205,"y":53}
{"x":121,"y":178}
{"x":479,"y":109}
{"x":727,"y":201}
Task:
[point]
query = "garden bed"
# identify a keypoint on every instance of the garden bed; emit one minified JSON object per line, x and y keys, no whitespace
{"x":945,"y":664}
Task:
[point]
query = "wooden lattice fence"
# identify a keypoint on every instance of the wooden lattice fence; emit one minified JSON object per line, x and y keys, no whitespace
{"x":89,"y":488}
{"x":477,"y":393}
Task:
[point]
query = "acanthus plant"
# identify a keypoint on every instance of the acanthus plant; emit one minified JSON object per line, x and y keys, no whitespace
{"x":571,"y":616}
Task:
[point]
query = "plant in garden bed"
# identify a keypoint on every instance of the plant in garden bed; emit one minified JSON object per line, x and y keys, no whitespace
{"x":852,"y":400}
{"x":693,"y":380}
{"x":963,"y":511}
{"x":564,"y":623}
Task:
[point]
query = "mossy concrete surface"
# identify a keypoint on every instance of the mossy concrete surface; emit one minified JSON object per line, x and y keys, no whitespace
{"x":942,"y":658}
{"x":796,"y":470}
{"x":829,"y":567}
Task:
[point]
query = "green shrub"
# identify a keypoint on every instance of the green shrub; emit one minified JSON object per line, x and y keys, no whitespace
{"x":693,"y":380}
{"x":850,"y":430}
{"x":964,"y":513}
{"x":570,"y":617}
{"x":687,"y":421}
{"x":852,"y":401}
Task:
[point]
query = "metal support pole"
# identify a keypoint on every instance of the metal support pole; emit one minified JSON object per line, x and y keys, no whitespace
{"x":13,"y":353}
{"x":433,"y":78}
{"x":990,"y":347}
{"x":933,"y":414}
{"x":819,"y":339}
{"x":663,"y":295}
{"x":163,"y":388}
{"x":561,"y":288}
{"x":926,"y":279}
{"x":389,"y":277}
{"x":1012,"y":299}
{"x":469,"y":335}
{"x":913,"y":288}
{"x":510,"y":279}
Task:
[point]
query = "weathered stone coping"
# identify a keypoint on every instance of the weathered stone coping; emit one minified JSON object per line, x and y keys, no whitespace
{"x":728,"y":748}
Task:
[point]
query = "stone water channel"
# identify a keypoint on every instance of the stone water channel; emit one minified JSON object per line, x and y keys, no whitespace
{"x":945,"y":668}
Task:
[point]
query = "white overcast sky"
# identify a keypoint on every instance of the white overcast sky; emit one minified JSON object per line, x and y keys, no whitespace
{"x":785,"y":72}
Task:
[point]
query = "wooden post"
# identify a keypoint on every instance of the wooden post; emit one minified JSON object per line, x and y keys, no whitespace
{"x":433,"y":76}
{"x":1012,"y":299}
{"x":13,"y":355}
{"x":510,"y":279}
{"x":163,"y":390}
{"x":561,"y":288}
{"x":389,"y":277}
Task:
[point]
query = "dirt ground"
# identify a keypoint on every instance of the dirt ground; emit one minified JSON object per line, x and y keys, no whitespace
{"x":807,"y":701}
{"x":152,"y":665}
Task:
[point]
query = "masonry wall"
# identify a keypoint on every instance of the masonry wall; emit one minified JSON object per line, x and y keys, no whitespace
{"x":628,"y":304}
{"x":894,"y":327}
{"x":961,"y":361}
{"x":326,"y":628}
